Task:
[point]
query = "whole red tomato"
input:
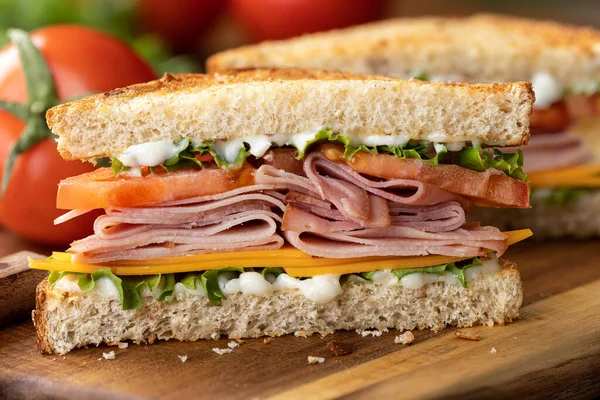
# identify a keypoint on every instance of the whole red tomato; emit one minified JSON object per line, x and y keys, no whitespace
{"x":281,"y":19}
{"x":180,"y":22}
{"x":82,"y":61}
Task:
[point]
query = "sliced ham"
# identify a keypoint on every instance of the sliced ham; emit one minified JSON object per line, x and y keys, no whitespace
{"x":316,"y":236}
{"x":241,"y":231}
{"x":553,"y":151}
{"x":490,"y":188}
{"x":351,"y":192}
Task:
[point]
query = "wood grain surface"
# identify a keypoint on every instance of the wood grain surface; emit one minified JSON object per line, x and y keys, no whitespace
{"x":552,"y":351}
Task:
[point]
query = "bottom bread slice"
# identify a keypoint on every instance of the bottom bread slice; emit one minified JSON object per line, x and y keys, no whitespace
{"x":65,"y":321}
{"x":579,"y":218}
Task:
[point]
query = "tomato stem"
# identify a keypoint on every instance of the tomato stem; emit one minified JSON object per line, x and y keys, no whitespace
{"x":17,"y":109}
{"x":42,"y":96}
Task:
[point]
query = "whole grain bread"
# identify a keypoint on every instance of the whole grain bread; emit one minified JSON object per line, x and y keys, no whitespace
{"x":480,"y":48}
{"x":577,"y":219}
{"x":235,"y":104}
{"x":65,"y":321}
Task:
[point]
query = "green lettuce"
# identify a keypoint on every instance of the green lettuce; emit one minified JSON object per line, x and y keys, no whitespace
{"x":474,"y":158}
{"x":129,"y":288}
{"x":456,"y":268}
{"x":562,"y":196}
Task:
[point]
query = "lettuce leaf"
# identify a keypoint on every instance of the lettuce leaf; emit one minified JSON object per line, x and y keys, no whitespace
{"x":210,"y":282}
{"x":474,"y":158}
{"x":129,"y":288}
{"x":562,"y":196}
{"x":456,"y":268}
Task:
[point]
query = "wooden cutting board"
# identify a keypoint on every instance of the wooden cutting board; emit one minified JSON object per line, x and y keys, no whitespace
{"x":552,"y":351}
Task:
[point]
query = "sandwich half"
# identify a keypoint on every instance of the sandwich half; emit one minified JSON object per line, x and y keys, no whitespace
{"x":560,"y":60}
{"x":270,"y":202}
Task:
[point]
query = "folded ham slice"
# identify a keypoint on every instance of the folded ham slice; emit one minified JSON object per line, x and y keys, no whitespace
{"x":232,"y":221}
{"x":553,"y":151}
{"x":353,"y":193}
{"x":333,"y":239}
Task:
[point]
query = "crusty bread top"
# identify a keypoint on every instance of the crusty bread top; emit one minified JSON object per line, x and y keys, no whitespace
{"x":235,"y":104}
{"x":482,"y":48}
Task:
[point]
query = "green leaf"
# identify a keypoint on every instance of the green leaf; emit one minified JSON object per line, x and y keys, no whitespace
{"x":562,"y":196}
{"x":191,"y":281}
{"x":457,"y":269}
{"x":479,"y":159}
{"x":17,"y":109}
{"x":273,"y":270}
{"x":35,"y":131}
{"x":39,"y":80}
{"x":117,"y":166}
{"x":210,"y":283}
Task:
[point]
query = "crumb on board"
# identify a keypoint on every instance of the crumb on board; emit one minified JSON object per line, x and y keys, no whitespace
{"x":467,"y":335}
{"x":405,"y":338}
{"x":240,"y":341}
{"x":267,"y":340}
{"x":123,"y":345}
{"x":340,"y":348}
{"x":232,"y":345}
{"x":109,"y":356}
{"x":493,"y":350}
{"x":183,"y":358}
{"x":365,"y":333}
{"x":316,"y":360}
{"x":221,"y":351}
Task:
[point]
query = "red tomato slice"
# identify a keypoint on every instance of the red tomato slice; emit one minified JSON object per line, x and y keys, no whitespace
{"x":482,"y":188}
{"x":101,"y":189}
{"x":553,"y":119}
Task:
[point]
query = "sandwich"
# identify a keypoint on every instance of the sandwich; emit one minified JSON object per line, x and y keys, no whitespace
{"x":560,"y":61}
{"x":271,"y":202}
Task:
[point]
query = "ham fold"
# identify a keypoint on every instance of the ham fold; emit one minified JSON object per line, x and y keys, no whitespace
{"x":556,"y":150}
{"x":333,"y":211}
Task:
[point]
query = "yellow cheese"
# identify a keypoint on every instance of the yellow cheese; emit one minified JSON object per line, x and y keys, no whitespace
{"x":295,"y":262}
{"x":581,"y":176}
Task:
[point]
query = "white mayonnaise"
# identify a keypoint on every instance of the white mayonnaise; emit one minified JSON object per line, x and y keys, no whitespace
{"x":68,"y":283}
{"x":546,"y":89}
{"x":151,"y":154}
{"x":155,"y":153}
{"x":319,"y":289}
{"x":106,"y":288}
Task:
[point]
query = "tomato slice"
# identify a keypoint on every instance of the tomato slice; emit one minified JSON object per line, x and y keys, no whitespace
{"x":101,"y":189}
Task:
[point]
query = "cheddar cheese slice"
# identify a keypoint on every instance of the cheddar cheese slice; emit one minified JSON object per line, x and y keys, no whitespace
{"x":295,"y":262}
{"x":581,"y":176}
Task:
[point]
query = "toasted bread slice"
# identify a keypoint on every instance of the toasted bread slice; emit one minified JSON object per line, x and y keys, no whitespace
{"x":65,"y":320}
{"x":239,"y":104}
{"x":480,"y":48}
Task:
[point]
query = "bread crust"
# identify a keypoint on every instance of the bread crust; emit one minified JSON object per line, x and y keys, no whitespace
{"x":482,"y":48}
{"x":232,"y":104}
{"x":68,"y":320}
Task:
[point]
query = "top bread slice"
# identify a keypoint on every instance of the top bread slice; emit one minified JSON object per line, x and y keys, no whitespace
{"x":239,"y":104}
{"x":480,"y":48}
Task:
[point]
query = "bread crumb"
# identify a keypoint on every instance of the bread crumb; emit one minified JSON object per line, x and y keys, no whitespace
{"x":493,"y":350}
{"x":183,"y":358}
{"x":215,"y":336}
{"x":315,"y":360}
{"x":340,"y":348}
{"x":109,"y":356}
{"x":467,"y":335}
{"x":267,"y":340}
{"x":300,"y":334}
{"x":365,"y":333}
{"x":54,"y":359}
{"x":405,"y":338}
{"x":123,"y":345}
{"x":221,"y":351}
{"x":64,"y":357}
{"x":240,"y":341}
{"x":232,"y":345}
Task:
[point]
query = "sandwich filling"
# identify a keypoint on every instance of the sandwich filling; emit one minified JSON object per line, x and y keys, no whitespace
{"x":356,"y":211}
